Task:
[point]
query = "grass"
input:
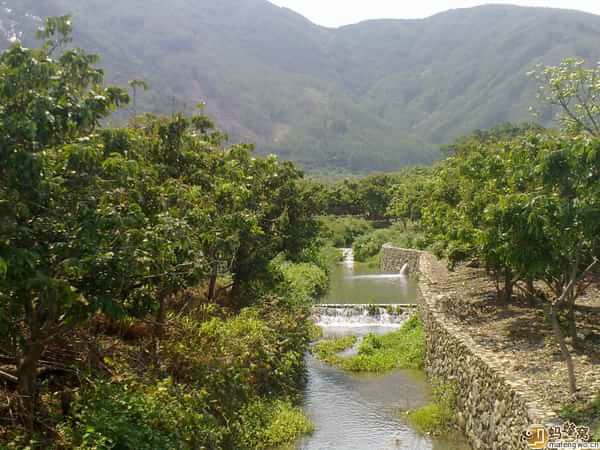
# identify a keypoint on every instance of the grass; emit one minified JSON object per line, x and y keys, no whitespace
{"x":327,"y":350}
{"x":401,"y":349}
{"x":436,"y":417}
{"x":584,"y":414}
{"x":315,"y":332}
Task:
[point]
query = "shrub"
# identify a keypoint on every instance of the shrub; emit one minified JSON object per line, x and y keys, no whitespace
{"x":584,"y":414}
{"x":270,"y":424}
{"x":304,"y":281}
{"x":257,"y":353}
{"x":368,"y":245}
{"x":436,"y":417}
{"x":132,"y":415}
{"x":343,"y":231}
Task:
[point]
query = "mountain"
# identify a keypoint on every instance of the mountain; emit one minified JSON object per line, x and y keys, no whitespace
{"x":371,"y":96}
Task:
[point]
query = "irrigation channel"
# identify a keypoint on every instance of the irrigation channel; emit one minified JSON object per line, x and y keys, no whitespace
{"x":362,"y":411}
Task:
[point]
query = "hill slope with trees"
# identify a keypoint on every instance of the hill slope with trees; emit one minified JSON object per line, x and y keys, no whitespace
{"x":371,"y":96}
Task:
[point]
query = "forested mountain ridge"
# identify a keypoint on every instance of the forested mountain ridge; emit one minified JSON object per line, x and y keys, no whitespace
{"x":371,"y":96}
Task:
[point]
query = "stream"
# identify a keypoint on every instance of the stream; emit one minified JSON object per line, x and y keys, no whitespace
{"x":361,"y":411}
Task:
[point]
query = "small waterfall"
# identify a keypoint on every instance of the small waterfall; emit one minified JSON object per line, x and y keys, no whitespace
{"x":348,"y":254}
{"x":405,"y":270}
{"x":379,"y":276}
{"x":362,"y":315}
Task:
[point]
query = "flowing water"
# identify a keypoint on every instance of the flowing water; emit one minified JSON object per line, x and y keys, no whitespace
{"x":358,"y":284}
{"x":360,"y":411}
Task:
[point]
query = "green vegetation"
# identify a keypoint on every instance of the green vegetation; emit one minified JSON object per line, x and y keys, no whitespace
{"x":327,"y":350}
{"x":584,"y":414}
{"x":307,"y":280}
{"x":523,"y":202}
{"x":343,"y":231}
{"x":323,"y":97}
{"x":155,"y":283}
{"x":271,"y":425}
{"x":369,"y":245}
{"x":401,"y":349}
{"x":436,"y":417}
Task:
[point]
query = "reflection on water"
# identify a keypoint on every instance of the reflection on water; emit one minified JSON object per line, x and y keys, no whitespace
{"x":351,"y":283}
{"x":360,"y":412}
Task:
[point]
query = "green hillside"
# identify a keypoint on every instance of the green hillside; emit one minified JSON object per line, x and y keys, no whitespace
{"x":372,"y":96}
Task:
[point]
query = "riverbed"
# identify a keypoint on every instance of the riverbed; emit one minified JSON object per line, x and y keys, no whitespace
{"x":363,"y":411}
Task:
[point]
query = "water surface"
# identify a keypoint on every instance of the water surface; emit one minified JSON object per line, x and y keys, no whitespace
{"x":362,"y":411}
{"x":353,"y":283}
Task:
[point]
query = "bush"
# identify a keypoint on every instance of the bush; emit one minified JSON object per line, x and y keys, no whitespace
{"x":266,"y":424}
{"x":436,"y":417}
{"x":369,"y":245}
{"x":260,"y":352}
{"x":305,"y":281}
{"x":132,"y":415}
{"x":220,"y":384}
{"x":584,"y":414}
{"x":343,"y":231}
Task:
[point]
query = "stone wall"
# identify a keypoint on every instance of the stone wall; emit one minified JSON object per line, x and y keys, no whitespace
{"x":393,"y":259}
{"x":492,"y":410}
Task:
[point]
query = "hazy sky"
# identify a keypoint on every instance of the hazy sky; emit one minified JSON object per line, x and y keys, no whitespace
{"x":334,"y":13}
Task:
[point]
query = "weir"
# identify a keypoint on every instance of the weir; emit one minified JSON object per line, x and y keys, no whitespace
{"x":367,"y":315}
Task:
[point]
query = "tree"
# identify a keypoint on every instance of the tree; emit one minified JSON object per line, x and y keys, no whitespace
{"x":530,"y":209}
{"x":135,"y":85}
{"x":575,"y":89}
{"x":49,"y":165}
{"x":408,"y":196}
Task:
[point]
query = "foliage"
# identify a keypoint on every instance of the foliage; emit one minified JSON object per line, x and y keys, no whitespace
{"x":584,"y":414}
{"x":134,"y":415}
{"x":327,"y":349}
{"x":436,"y":417}
{"x":408,"y":196}
{"x":343,"y":231}
{"x":401,"y":349}
{"x":121,"y":222}
{"x":369,"y":245}
{"x":227,"y":382}
{"x":271,"y":424}
{"x":528,"y":208}
{"x":575,"y":90}
{"x":308,"y":280}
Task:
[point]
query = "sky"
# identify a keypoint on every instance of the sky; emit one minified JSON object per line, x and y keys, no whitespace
{"x":334,"y":13}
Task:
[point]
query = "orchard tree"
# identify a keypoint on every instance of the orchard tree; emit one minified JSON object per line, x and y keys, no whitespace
{"x":575,"y":90}
{"x":408,"y":196}
{"x":50,"y":170}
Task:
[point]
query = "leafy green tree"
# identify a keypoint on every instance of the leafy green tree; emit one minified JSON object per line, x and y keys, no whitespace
{"x":408,"y":196}
{"x":50,"y":166}
{"x":575,"y":90}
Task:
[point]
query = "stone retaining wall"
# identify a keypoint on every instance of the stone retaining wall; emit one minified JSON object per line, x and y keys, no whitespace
{"x":492,"y":410}
{"x":393,"y":259}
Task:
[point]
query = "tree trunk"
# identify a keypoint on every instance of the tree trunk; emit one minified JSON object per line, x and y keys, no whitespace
{"x":572,"y":324}
{"x":161,"y":315}
{"x":27,"y":381}
{"x":530,"y":288}
{"x":563,"y":348}
{"x":212,"y":284}
{"x":508,"y":285}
